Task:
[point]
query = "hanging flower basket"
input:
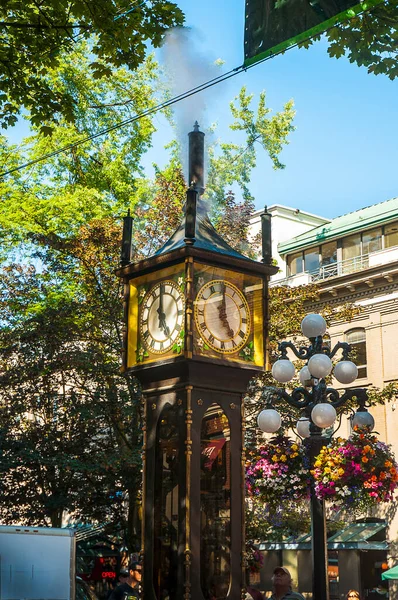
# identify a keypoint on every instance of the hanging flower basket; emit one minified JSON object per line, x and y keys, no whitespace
{"x":357,"y":473}
{"x":278,"y":471}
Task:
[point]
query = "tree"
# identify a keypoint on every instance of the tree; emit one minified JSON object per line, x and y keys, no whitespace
{"x":235,"y":162}
{"x":369,"y":39}
{"x":70,"y":440}
{"x":37,"y":36}
{"x":95,"y":180}
{"x":70,"y":421}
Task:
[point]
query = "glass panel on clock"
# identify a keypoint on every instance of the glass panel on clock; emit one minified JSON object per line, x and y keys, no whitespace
{"x":166,"y":505}
{"x":228,"y":315}
{"x":156,"y":316}
{"x":215,"y":504}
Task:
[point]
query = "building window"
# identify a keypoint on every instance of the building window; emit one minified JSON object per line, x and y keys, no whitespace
{"x":295,"y":263}
{"x":311,"y":260}
{"x":351,"y":246}
{"x":357,"y":339}
{"x":329,"y":253}
{"x":371,"y":241}
{"x":391,"y":235}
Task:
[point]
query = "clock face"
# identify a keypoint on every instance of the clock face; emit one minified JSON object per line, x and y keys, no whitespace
{"x":162,"y":316}
{"x":222,"y":316}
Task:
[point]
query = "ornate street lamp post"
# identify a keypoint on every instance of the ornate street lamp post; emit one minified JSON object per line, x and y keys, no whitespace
{"x":318,"y":404}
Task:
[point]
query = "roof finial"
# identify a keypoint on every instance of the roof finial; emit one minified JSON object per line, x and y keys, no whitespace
{"x":125,"y":255}
{"x":196,"y":126}
{"x":266,"y":237}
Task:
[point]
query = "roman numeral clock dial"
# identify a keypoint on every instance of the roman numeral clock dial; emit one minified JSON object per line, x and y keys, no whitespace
{"x":222,"y":316}
{"x":162,"y":317}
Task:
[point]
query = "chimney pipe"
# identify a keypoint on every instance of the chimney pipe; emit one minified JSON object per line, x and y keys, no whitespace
{"x":196,"y":159}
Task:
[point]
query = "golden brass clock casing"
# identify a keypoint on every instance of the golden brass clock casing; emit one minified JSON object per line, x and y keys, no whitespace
{"x":208,"y":313}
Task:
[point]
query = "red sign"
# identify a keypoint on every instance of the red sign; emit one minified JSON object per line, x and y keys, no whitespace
{"x":211,"y":451}
{"x":108,"y":574}
{"x":104,"y":568}
{"x":333,"y":571}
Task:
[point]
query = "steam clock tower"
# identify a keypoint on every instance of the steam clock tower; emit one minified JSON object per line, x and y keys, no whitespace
{"x":196,"y":323}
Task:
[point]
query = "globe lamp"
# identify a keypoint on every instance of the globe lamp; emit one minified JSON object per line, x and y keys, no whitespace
{"x":303,"y":427}
{"x":305,"y":376}
{"x":313,"y":325}
{"x":323,"y":415}
{"x":269,"y":420}
{"x":320,"y":365}
{"x":345,"y":371}
{"x":363,"y":420}
{"x":283,"y":370}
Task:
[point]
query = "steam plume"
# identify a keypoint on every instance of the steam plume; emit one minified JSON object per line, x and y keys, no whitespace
{"x":186,"y":68}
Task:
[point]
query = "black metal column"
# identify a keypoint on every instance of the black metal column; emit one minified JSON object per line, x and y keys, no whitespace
{"x":320,"y":582}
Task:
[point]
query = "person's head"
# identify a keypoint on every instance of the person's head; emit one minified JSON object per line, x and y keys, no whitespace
{"x":353,"y":595}
{"x":135,"y":571}
{"x":281,"y":578}
{"x":123,"y":575}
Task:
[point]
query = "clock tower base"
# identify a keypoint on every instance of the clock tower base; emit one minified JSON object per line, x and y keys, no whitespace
{"x":193,"y":527}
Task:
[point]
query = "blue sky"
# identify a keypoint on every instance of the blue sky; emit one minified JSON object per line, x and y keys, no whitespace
{"x":343,"y":154}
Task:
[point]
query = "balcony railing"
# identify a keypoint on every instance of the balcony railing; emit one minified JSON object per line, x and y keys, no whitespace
{"x":344,"y":267}
{"x":350,"y":265}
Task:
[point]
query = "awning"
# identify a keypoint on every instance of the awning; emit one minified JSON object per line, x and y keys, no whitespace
{"x":96,"y":551}
{"x":357,"y":536}
{"x":391,"y":573}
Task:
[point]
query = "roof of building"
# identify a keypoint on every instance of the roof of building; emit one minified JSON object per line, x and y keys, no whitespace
{"x":356,"y":536}
{"x":289,"y":210}
{"x":365,"y":218}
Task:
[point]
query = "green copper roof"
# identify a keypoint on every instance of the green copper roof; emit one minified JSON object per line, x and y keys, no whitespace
{"x":365,"y":218}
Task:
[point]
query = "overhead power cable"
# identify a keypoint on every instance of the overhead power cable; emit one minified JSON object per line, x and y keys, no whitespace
{"x":127,"y":12}
{"x":154,"y":109}
{"x":136,"y":117}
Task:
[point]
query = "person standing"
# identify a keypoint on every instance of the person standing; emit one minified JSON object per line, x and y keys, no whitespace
{"x":282,"y":586}
{"x":121,"y":578}
{"x":131,"y":587}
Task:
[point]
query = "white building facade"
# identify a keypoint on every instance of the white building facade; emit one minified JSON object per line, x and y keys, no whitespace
{"x":353,"y":258}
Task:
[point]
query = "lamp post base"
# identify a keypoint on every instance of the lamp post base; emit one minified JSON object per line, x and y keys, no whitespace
{"x":320,"y":581}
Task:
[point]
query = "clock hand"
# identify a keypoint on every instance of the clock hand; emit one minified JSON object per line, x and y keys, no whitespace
{"x":163,"y":325}
{"x":222,"y":311}
{"x":160,"y":312}
{"x":222,"y":307}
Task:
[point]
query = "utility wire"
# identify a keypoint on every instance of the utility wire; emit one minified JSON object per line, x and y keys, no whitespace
{"x":140,"y":115}
{"x":145,"y":113}
{"x":127,"y":12}
{"x":154,"y":109}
